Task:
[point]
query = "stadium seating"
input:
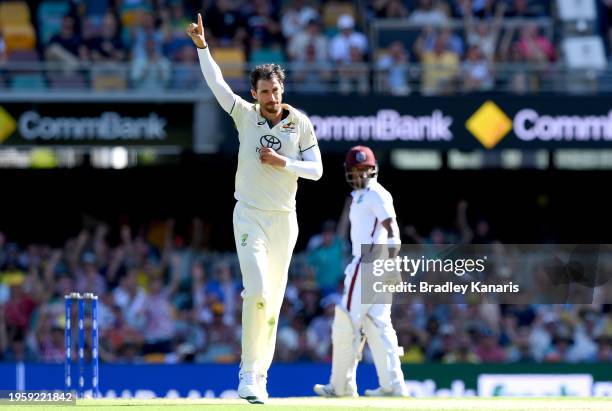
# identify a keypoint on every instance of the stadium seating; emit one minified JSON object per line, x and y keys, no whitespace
{"x":14,"y":13}
{"x":265,"y":55}
{"x":108,"y":81}
{"x":231,"y":60}
{"x":68,"y":81}
{"x":19,"y":37}
{"x":584,"y":52}
{"x":23,"y":56}
{"x":28,"y":82}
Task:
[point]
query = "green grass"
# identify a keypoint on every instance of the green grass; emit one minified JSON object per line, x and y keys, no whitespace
{"x":323,"y":404}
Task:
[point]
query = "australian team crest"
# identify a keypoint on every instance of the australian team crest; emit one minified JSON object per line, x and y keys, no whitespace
{"x":289,"y":127}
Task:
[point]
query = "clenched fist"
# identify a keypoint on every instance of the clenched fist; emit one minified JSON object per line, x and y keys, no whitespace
{"x":196,"y":32}
{"x":271,"y":157}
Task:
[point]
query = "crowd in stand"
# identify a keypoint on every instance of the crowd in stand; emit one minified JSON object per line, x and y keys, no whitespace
{"x":164,"y":298}
{"x":456,"y":42}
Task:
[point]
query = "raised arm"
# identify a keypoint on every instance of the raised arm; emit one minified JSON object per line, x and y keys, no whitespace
{"x":212,"y":73}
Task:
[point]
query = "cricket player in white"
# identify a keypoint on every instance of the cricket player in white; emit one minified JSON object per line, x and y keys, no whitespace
{"x":277,"y":145}
{"x":373,"y":221}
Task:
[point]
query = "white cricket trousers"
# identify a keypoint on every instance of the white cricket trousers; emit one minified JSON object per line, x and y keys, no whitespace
{"x":264,"y":243}
{"x":375,"y":321}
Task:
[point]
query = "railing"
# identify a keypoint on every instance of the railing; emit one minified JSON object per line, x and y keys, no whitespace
{"x":404,"y":79}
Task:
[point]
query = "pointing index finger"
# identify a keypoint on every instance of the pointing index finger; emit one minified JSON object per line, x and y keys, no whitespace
{"x":200,"y":25}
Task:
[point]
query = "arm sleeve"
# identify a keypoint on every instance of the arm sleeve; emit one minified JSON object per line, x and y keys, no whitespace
{"x":311,"y":167}
{"x":382,"y":206}
{"x":214,"y":79}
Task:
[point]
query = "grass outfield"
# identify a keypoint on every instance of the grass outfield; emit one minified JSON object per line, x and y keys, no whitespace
{"x":321,"y":404}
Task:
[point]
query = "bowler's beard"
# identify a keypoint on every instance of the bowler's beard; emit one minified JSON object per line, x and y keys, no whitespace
{"x":268,"y":108}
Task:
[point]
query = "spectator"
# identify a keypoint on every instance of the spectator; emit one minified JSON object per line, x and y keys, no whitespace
{"x":348,"y":45}
{"x":428,"y":13}
{"x":158,"y":318}
{"x":430,"y":36}
{"x":89,"y":278}
{"x":311,"y":75}
{"x":221,"y":346}
{"x":327,"y":260}
{"x":604,"y":347}
{"x":520,"y":350}
{"x":66,"y":46}
{"x":288,"y":339}
{"x":412,"y":343}
{"x":481,"y":9}
{"x":309,"y":298}
{"x":533,"y":47}
{"x":312,"y":37}
{"x":297,"y":16}
{"x":390,"y":9}
{"x":147,"y":36}
{"x":186,"y":74}
{"x":560,"y":350}
{"x":462,"y":352}
{"x":440,"y":66}
{"x":151,"y":71}
{"x":484,"y":33}
{"x":201,"y":309}
{"x":225,"y":25}
{"x":520,"y":80}
{"x":394,"y":69}
{"x":263,"y":25}
{"x":354,"y":76}
{"x":488,"y":349}
{"x":523,"y":9}
{"x":226,"y":290}
{"x":19,"y":308}
{"x":16,"y":348}
{"x":174,"y":21}
{"x":130,"y":298}
{"x":586,"y":330}
{"x":319,"y":333}
{"x":476,"y":71}
{"x":51,"y":341}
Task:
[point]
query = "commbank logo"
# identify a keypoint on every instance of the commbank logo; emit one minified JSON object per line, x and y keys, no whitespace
{"x":7,"y":125}
{"x":489,"y":124}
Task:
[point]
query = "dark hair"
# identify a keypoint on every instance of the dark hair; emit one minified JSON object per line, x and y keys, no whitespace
{"x":267,"y":72}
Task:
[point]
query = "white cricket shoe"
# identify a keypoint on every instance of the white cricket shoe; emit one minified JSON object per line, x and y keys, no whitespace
{"x":262,"y":381}
{"x":399,"y":390}
{"x":328,"y":391}
{"x":248,"y":388}
{"x":325,"y":390}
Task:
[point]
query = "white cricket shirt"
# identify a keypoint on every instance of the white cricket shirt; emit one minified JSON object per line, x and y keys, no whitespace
{"x":260,"y":185}
{"x":369,"y":208}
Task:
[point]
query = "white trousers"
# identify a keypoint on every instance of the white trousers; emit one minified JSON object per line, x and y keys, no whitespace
{"x":374,"y":320}
{"x":264,"y":243}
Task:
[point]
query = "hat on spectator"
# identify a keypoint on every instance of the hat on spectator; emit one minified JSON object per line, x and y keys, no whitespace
{"x":218,"y":308}
{"x":346,"y":21}
{"x":549,"y":317}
